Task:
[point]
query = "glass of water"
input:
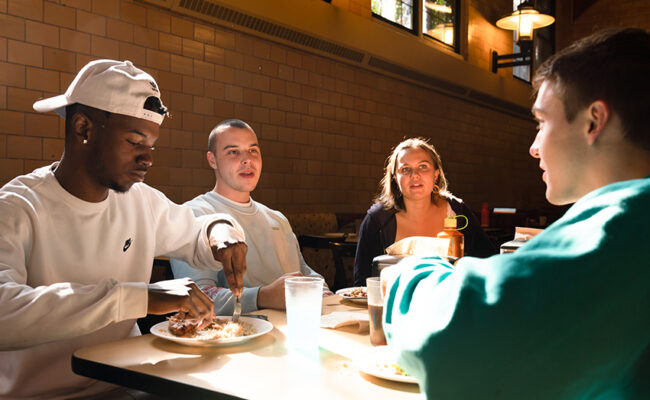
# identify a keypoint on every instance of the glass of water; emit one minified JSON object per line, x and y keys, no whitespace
{"x":304,"y":298}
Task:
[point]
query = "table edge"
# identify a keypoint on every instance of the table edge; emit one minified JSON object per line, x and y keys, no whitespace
{"x":145,"y":382}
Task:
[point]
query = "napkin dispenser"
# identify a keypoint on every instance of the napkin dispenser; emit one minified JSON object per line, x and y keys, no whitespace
{"x":383,"y":261}
{"x":411,"y":246}
{"x":522,"y":235}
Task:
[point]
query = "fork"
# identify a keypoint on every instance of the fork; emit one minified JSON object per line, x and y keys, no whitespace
{"x":237,"y":311}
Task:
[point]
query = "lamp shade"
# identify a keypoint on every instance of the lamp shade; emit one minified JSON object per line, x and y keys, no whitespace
{"x":525,"y":20}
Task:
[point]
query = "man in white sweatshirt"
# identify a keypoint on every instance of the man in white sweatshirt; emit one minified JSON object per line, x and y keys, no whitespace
{"x":273,"y":251}
{"x":78,"y":237}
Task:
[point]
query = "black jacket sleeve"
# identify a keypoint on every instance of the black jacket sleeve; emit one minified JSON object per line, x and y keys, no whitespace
{"x":374,"y":236}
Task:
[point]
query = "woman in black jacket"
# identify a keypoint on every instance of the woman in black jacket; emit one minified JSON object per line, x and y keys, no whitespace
{"x":414,"y":201}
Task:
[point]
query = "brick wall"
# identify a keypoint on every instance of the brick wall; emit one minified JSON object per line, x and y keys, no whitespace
{"x":610,"y":14}
{"x":483,"y":36}
{"x":325,"y":127}
{"x":575,"y":23}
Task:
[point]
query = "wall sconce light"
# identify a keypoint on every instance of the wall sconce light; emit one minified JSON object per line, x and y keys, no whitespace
{"x":524,"y":21}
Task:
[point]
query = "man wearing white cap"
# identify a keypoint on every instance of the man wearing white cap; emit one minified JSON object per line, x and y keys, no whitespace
{"x":77,"y":238}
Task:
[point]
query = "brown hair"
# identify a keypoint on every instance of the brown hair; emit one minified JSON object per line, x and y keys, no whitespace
{"x":390,"y":195}
{"x":611,"y":66}
{"x":222,"y":126}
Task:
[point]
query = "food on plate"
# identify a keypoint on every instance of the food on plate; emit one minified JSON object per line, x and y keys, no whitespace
{"x":397,"y":370}
{"x":392,"y":369}
{"x":180,"y":326}
{"x":355,"y":292}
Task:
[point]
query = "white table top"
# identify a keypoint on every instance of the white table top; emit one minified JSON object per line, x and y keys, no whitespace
{"x":261,"y":368}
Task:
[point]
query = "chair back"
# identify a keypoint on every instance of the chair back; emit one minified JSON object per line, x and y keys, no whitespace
{"x":343,"y":254}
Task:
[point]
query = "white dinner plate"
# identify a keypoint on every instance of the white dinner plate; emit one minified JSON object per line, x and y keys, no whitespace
{"x":333,"y":235}
{"x":262,"y":327}
{"x":378,"y":361}
{"x":344,"y":293}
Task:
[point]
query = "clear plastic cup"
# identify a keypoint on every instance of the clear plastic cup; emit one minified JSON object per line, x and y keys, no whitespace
{"x":375,"y":311}
{"x":304,"y":298}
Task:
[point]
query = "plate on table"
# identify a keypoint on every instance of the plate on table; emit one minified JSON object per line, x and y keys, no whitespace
{"x":381,"y":362}
{"x":357,"y":294}
{"x":259,"y":326}
{"x":334,"y":235}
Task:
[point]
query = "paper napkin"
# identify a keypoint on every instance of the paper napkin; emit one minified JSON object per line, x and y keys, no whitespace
{"x":345,"y":318}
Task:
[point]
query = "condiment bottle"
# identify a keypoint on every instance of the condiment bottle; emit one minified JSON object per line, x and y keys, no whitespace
{"x":456,"y":239}
{"x":485,"y":215}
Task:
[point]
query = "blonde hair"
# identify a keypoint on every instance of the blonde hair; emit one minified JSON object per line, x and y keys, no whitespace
{"x":390,"y":195}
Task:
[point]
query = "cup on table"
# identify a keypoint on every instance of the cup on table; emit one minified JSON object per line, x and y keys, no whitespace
{"x":375,"y":311}
{"x":304,"y":298}
{"x":387,"y":277}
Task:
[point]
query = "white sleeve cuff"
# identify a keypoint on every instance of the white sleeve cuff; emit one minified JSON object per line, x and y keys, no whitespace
{"x":225,"y":234}
{"x":134,"y":301}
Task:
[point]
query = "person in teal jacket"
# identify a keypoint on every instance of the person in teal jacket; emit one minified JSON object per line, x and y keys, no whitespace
{"x":567,"y":316}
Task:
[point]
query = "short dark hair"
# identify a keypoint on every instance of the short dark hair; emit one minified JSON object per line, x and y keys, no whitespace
{"x":154,"y":104}
{"x":94,"y":114}
{"x":223,"y":125}
{"x":613,"y":66}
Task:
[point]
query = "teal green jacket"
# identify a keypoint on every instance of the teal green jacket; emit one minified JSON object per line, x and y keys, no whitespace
{"x":567,"y":316}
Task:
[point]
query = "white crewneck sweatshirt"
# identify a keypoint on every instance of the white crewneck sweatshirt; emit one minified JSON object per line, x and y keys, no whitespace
{"x":273,"y":250}
{"x":74,"y":273}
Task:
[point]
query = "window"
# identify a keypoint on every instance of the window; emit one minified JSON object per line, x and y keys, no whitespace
{"x":439,"y":21}
{"x":399,"y":12}
{"x":521,"y":71}
{"x":544,"y":41}
{"x":439,"y":18}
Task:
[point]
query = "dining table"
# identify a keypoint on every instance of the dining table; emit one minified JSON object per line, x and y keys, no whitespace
{"x":263,"y":367}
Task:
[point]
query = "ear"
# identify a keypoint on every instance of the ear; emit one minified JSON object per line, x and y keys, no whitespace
{"x":81,"y":128}
{"x":597,"y":118}
{"x":212,"y":161}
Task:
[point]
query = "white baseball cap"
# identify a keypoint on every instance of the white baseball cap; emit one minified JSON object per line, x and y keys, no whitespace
{"x":114,"y":86}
